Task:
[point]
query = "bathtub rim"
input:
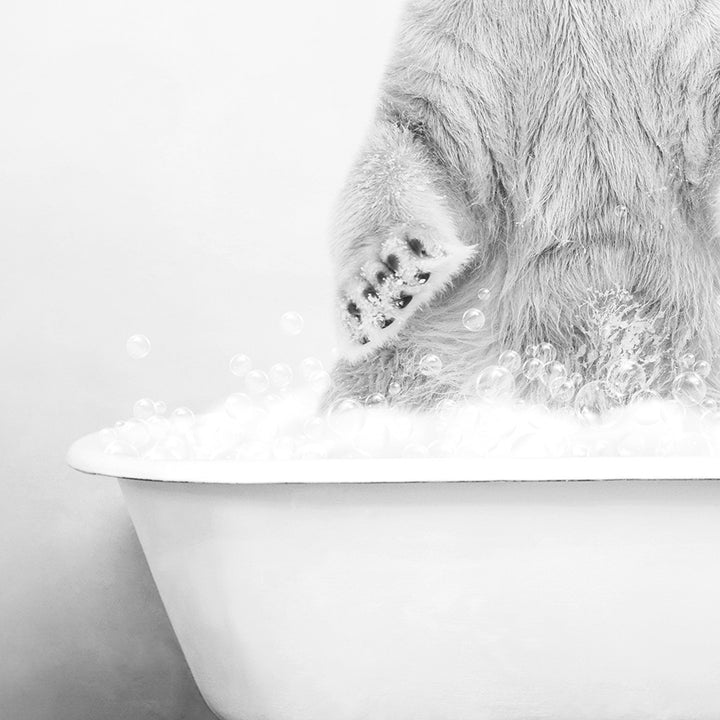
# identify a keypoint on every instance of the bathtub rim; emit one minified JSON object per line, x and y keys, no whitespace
{"x":87,"y":456}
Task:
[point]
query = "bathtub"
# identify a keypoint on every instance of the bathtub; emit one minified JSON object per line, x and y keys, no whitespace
{"x":436,"y":589}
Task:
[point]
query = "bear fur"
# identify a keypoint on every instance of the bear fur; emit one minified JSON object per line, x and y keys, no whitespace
{"x":562,"y":154}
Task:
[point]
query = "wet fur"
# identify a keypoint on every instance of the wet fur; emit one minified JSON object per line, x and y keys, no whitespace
{"x":526,"y":124}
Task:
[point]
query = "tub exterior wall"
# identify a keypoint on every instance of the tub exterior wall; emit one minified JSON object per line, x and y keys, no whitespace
{"x":570,"y":601}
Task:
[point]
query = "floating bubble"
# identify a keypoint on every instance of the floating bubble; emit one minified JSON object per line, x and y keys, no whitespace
{"x":430,"y":366}
{"x":562,"y":389}
{"x":547,"y":353}
{"x":138,"y":347}
{"x":257,"y":382}
{"x":591,"y":402}
{"x":625,"y":377}
{"x":394,"y":389}
{"x":135,"y":433}
{"x":577,"y":379}
{"x":376,"y":400}
{"x":240,"y":365}
{"x":292,"y":323}
{"x":239,"y":406}
{"x":144,"y":409}
{"x":346,"y":417}
{"x":689,"y":388}
{"x":483,"y":294}
{"x":473,"y":320}
{"x":320,"y":381}
{"x":309,"y":366}
{"x":687,"y":361}
{"x":532,"y":368}
{"x":553,"y":371}
{"x":281,"y":376}
{"x":531,"y":351}
{"x":702,"y":368}
{"x":621,"y":210}
{"x":182,"y":418}
{"x":160,"y":407}
{"x":510,"y":360}
{"x":494,"y":383}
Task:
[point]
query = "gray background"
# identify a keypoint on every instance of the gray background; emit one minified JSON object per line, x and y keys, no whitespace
{"x":166,"y":168}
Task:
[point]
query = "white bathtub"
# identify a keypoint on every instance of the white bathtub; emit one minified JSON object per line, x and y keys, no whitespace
{"x":428,"y":590}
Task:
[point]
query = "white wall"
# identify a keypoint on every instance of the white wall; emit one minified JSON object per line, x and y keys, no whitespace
{"x":165,"y":168}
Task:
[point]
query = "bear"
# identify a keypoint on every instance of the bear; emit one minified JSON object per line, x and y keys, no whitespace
{"x":540,"y":177}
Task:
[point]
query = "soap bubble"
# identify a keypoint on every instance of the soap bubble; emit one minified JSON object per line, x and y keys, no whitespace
{"x":257,"y":382}
{"x":320,"y":381}
{"x":473,"y":320}
{"x":532,"y":368}
{"x":495,"y":382}
{"x":591,"y":402}
{"x":118,"y":447}
{"x":292,"y":323}
{"x":135,"y":433}
{"x":553,"y":371}
{"x":577,"y":379}
{"x":394,"y":389}
{"x":687,"y":361}
{"x":562,"y":389}
{"x":547,"y":353}
{"x":138,"y":347}
{"x":182,"y":418}
{"x":239,"y":406}
{"x":144,"y":409}
{"x":314,"y":428}
{"x":510,"y":360}
{"x":376,"y":400}
{"x":621,"y":210}
{"x":281,"y":376}
{"x":240,"y":365}
{"x":309,"y":366}
{"x":625,"y":377}
{"x":531,"y":351}
{"x":702,"y":368}
{"x":689,"y":388}
{"x":160,"y":407}
{"x":483,"y":294}
{"x":430,"y":365}
{"x":170,"y":448}
{"x":346,"y":417}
